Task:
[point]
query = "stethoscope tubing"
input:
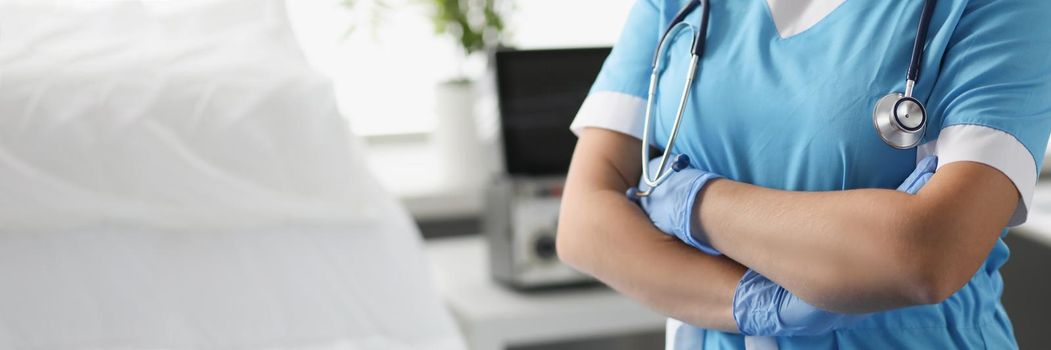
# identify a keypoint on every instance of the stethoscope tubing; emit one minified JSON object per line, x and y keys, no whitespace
{"x":697,"y":51}
{"x":916,"y":62}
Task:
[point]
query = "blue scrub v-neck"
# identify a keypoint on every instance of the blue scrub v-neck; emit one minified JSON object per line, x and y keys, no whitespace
{"x":772,"y":111}
{"x":828,"y":17}
{"x":795,"y":113}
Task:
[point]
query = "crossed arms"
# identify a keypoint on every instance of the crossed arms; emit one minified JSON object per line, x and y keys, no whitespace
{"x":845,"y":251}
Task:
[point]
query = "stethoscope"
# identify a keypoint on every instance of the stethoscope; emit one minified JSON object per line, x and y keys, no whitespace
{"x":899,"y":118}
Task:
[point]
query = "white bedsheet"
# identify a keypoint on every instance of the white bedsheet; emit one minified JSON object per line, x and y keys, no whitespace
{"x":177,"y":177}
{"x":289,"y":287}
{"x":207,"y":116}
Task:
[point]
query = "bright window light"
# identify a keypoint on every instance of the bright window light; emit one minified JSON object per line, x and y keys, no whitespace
{"x":386,"y":69}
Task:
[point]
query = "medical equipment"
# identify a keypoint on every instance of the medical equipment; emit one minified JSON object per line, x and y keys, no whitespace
{"x":520,"y":221}
{"x":537,"y":101}
{"x":696,"y":51}
{"x":900,"y":119}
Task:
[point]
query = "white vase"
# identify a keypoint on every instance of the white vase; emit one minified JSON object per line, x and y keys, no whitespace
{"x":456,"y":136}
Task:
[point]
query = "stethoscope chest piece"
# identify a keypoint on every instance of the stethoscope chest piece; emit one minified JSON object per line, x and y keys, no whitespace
{"x":900,"y":121}
{"x":899,"y":118}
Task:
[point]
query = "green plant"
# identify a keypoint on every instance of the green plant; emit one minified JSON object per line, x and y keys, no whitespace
{"x":476,"y":24}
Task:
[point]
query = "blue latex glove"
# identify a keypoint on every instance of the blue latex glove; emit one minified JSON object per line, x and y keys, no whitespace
{"x":919,"y":177}
{"x":670,"y":205}
{"x":761,"y":307}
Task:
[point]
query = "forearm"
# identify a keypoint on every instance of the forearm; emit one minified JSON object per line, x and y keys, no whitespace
{"x":612,"y":241}
{"x":604,"y":234}
{"x":860,"y":250}
{"x":829,"y":248}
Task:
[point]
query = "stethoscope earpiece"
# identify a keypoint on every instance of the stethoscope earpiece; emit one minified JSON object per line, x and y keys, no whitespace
{"x":680,"y":162}
{"x":634,"y":194}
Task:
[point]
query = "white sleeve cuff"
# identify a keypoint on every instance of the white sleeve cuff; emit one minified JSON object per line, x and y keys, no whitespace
{"x":615,"y":111}
{"x":991,"y":147}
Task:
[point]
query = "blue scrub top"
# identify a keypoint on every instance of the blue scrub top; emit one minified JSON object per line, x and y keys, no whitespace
{"x":796,"y":114}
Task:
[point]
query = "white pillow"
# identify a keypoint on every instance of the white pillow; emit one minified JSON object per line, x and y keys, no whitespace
{"x":174,"y":114}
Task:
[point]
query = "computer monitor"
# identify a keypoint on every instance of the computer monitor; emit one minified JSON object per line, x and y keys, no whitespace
{"x":539,"y":93}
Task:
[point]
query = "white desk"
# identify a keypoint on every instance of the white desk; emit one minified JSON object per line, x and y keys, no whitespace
{"x":493,"y":317}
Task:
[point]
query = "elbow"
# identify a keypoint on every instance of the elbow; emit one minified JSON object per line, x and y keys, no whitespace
{"x":567,"y":242}
{"x":929,"y":274}
{"x":928,"y":288}
{"x":575,"y":232}
{"x":565,"y":249}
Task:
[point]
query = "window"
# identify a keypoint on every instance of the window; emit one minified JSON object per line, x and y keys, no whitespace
{"x":385,"y":71}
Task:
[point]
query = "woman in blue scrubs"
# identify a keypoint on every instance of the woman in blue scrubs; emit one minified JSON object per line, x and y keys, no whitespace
{"x":798,"y":187}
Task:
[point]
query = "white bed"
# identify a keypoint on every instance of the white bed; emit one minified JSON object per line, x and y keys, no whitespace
{"x":173,"y":175}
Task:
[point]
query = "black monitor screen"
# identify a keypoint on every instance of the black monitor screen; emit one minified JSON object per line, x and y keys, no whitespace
{"x":540,"y":92}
